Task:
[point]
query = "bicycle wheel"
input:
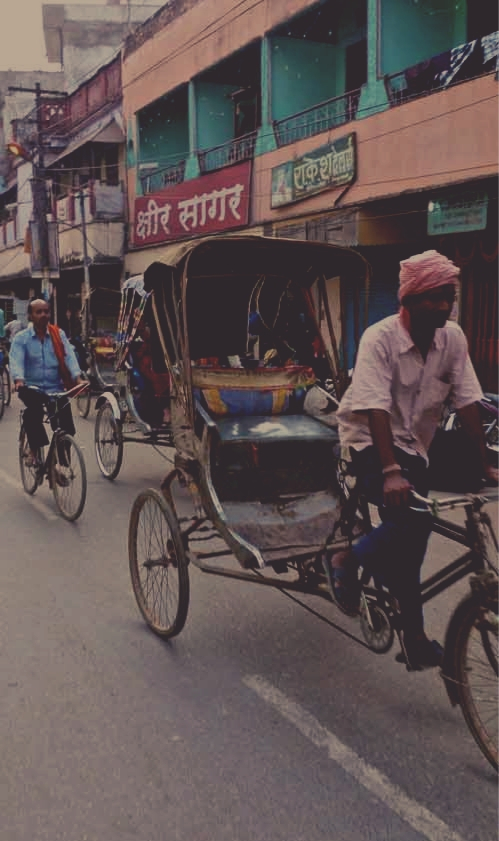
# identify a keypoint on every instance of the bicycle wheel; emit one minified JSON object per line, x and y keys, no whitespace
{"x":68,"y":477}
{"x":2,"y":397}
{"x":108,"y":442}
{"x":31,"y":475}
{"x":83,"y":401}
{"x":7,"y":387}
{"x":158,"y":564}
{"x":476,"y":672}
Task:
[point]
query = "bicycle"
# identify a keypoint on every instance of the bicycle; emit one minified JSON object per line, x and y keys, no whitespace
{"x":62,"y":465}
{"x":470,"y":661}
{"x":5,"y":382}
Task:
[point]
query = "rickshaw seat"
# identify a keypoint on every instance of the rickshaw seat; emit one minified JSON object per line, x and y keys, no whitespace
{"x":262,"y":428}
{"x":240,"y":392}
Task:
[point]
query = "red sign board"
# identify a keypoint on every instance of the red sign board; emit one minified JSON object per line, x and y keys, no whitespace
{"x":215,"y":202}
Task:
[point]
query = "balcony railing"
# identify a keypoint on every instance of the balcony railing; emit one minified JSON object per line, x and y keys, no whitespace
{"x":476,"y":58}
{"x":234,"y":151}
{"x":335,"y":112}
{"x":167,"y":176}
{"x":101,"y":202}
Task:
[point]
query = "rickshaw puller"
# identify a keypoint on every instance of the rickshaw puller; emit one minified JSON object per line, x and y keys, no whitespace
{"x":407,"y":365}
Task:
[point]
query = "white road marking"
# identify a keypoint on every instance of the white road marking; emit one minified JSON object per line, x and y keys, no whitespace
{"x":40,"y":506}
{"x":419,"y":818}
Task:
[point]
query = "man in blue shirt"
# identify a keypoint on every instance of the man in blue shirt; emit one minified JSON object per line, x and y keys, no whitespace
{"x":33,"y":361}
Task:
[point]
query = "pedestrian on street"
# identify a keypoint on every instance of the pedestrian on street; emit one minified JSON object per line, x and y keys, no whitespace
{"x":408,"y":364}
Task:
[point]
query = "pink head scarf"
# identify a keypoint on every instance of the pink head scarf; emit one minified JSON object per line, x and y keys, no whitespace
{"x":425,"y":271}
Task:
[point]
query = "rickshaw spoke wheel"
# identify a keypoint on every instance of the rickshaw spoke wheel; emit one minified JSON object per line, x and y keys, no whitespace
{"x":476,"y":659}
{"x":68,"y":477}
{"x":108,"y":439}
{"x":158,"y":564}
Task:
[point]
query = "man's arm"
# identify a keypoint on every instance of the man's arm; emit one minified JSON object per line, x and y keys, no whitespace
{"x":472,"y":425}
{"x":396,"y":488}
{"x":16,"y":362}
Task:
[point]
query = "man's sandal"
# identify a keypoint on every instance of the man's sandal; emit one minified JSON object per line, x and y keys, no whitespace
{"x":421,"y":654}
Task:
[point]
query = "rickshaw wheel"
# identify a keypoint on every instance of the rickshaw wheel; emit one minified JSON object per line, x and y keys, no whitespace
{"x":158,"y":564}
{"x":84,"y":400}
{"x":108,"y":440}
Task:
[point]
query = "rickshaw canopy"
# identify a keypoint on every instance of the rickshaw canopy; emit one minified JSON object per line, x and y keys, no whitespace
{"x":203,"y":293}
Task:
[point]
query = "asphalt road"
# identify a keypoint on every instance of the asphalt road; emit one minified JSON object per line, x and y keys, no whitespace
{"x":262,"y":721}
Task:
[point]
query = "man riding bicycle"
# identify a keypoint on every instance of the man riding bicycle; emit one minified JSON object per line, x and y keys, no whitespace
{"x":42,"y":356}
{"x":407,"y":365}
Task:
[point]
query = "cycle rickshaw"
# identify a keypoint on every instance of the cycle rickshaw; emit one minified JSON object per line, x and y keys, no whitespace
{"x":249,"y":330}
{"x":135,"y":407}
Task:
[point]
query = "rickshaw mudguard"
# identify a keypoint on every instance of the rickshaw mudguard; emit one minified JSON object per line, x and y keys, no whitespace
{"x":109,"y":397}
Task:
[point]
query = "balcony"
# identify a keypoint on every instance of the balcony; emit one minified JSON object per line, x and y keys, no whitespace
{"x":10,"y":233}
{"x":232,"y":152}
{"x":476,"y":58}
{"x":335,"y":112}
{"x":104,"y":216}
{"x":101,"y":202}
{"x":157,"y":179}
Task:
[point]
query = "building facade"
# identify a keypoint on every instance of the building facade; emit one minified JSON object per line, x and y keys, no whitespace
{"x":88,"y":203}
{"x":370,"y":123}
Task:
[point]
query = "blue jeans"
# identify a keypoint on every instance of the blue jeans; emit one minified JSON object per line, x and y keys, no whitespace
{"x":394,"y":551}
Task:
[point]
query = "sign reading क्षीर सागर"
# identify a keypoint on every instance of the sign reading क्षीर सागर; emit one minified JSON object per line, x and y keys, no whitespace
{"x":329,"y":166}
{"x":218,"y":201}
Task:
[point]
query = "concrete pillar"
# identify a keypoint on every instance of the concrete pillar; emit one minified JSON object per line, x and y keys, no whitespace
{"x":373,"y":96}
{"x":192,"y":164}
{"x":265,"y":141}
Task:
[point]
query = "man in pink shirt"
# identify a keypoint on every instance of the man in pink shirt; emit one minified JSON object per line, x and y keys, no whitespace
{"x":407,"y":365}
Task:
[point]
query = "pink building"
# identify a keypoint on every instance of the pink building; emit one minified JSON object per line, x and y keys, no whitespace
{"x":371,"y":123}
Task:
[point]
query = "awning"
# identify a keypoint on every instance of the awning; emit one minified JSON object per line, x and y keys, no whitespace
{"x":109,"y":132}
{"x":14,"y":262}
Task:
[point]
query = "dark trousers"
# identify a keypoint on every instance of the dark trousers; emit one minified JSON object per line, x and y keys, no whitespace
{"x":394,"y":551}
{"x":33,"y":418}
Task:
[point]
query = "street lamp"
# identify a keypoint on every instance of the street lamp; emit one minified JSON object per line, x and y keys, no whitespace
{"x":18,"y":151}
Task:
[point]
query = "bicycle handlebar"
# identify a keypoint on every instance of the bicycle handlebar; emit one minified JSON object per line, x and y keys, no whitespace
{"x":57,"y":395}
{"x":446,"y":503}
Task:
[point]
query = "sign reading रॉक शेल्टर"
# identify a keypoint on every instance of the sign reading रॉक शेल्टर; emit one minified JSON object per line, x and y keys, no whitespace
{"x":215,"y":202}
{"x":325,"y":168}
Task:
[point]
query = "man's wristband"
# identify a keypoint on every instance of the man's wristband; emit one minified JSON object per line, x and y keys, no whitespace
{"x":392,"y":468}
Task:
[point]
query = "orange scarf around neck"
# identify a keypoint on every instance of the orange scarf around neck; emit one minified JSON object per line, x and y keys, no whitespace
{"x":59,"y":350}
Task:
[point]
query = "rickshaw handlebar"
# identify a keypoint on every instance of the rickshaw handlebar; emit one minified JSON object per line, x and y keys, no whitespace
{"x":446,"y":503}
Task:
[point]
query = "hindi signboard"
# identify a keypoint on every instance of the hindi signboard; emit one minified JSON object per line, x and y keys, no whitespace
{"x":329,"y":166}
{"x":215,"y":202}
{"x":458,"y":214}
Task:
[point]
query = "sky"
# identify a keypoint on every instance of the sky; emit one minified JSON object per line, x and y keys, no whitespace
{"x":22,"y":45}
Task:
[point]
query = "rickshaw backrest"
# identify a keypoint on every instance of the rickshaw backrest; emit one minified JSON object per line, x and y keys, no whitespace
{"x":229,"y":392}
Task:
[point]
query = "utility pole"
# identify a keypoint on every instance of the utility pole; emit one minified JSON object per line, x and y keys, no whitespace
{"x":38,"y":186}
{"x":85,"y":310}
